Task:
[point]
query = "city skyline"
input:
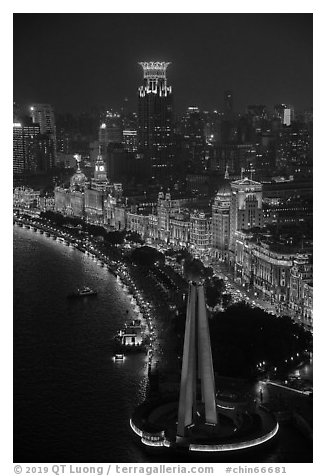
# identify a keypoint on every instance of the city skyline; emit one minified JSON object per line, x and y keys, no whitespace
{"x":163,"y":178}
{"x":258,"y":56}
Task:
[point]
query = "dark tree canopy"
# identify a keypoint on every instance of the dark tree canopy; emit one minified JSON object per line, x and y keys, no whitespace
{"x":146,"y":256}
{"x":194,"y":269}
{"x":214,"y":289}
{"x":114,"y":237}
{"x":134,"y":237}
{"x":243,"y":336}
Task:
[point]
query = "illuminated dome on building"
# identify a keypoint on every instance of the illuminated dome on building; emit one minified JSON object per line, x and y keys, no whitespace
{"x":79,"y":179}
{"x":224,"y":189}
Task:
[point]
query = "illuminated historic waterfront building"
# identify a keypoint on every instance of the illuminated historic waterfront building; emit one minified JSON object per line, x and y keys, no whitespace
{"x":100,"y":180}
{"x":137,"y":223}
{"x":221,"y":222}
{"x":164,"y":206}
{"x":155,"y":116}
{"x":199,"y":233}
{"x":246,"y":209}
{"x":301,"y":290}
{"x":94,"y":205}
{"x":169,"y":218}
{"x":88,"y":199}
{"x":71,"y":201}
{"x":263,"y":267}
{"x":180,"y":229}
{"x":26,"y":198}
{"x":283,"y":275}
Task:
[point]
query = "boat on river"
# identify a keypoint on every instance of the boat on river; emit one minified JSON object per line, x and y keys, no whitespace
{"x":83,"y":292}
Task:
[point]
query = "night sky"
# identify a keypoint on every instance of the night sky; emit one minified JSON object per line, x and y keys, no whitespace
{"x":76,"y":61}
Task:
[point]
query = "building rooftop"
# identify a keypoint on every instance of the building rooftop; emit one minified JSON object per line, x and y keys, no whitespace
{"x":245,"y":181}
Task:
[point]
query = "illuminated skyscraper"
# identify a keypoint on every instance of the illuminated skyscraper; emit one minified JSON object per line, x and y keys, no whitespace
{"x":26,"y":150}
{"x":43,"y":114}
{"x":129,"y":140}
{"x":285,"y":113}
{"x":18,"y":149}
{"x":155,"y":116}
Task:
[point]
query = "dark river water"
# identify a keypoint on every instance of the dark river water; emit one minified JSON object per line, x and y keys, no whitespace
{"x":72,"y":403}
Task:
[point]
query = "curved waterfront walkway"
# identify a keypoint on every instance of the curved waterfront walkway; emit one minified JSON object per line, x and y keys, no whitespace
{"x":143,"y":308}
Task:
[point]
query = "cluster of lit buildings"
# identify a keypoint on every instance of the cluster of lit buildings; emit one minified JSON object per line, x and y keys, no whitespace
{"x":143,"y":146}
{"x":156,"y":144}
{"x":223,"y":233}
{"x":34,"y":140}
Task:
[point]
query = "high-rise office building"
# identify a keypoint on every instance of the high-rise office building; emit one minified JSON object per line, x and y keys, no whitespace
{"x":26,"y":151}
{"x":43,"y":114}
{"x":18,"y":149}
{"x":246,"y":210}
{"x":130,"y":140}
{"x":113,"y":123}
{"x":129,"y":132}
{"x":228,"y":105}
{"x":285,"y":113}
{"x":288,"y":115}
{"x":103,"y":138}
{"x":192,"y":125}
{"x":155,"y":116}
{"x":110,"y":132}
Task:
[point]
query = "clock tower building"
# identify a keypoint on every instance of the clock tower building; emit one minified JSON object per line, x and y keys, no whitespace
{"x":100,"y":170}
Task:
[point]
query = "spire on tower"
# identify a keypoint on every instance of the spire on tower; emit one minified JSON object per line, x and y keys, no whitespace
{"x":77,"y":157}
{"x":226,"y":175}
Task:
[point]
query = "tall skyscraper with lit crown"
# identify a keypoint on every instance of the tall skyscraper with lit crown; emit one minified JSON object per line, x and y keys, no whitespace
{"x":155,"y":116}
